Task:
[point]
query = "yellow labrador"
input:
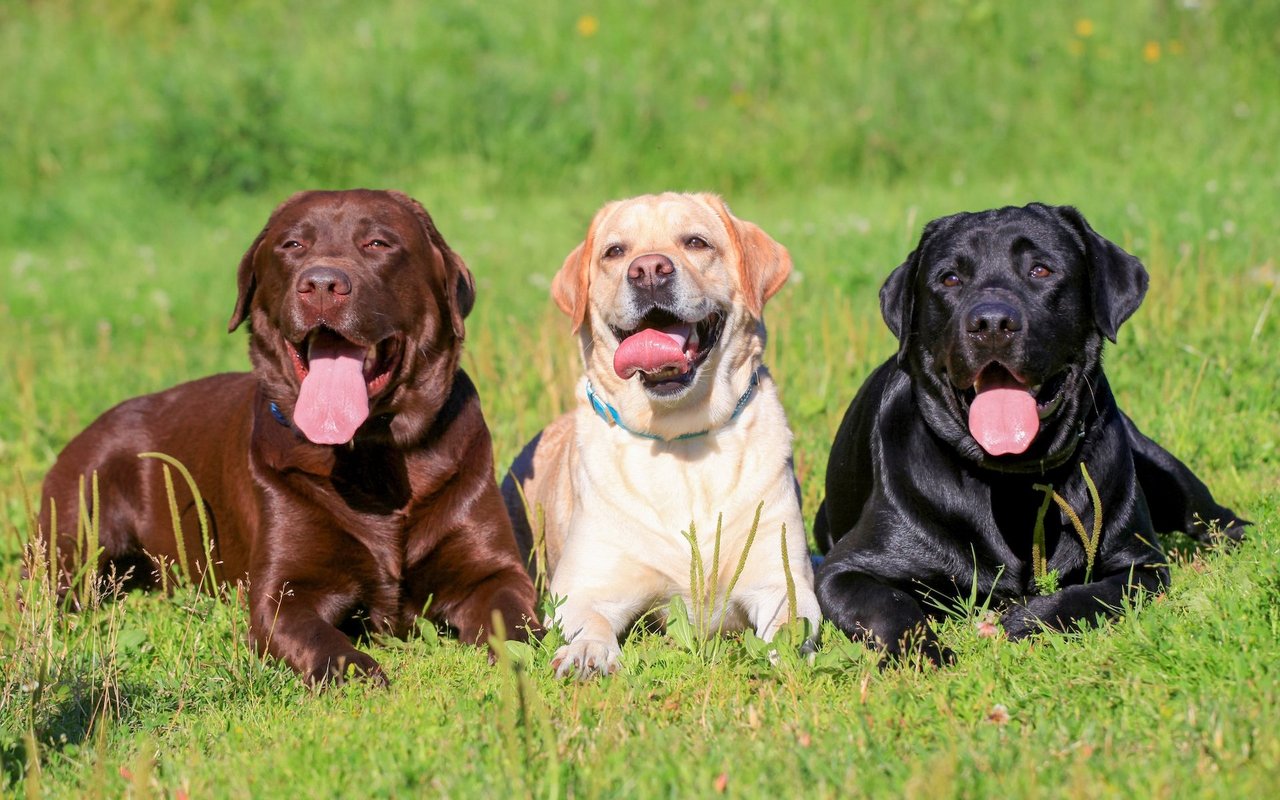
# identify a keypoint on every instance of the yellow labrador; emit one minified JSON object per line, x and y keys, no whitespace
{"x":678,"y":422}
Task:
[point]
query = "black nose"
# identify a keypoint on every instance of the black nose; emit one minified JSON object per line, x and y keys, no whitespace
{"x":650,"y":271}
{"x":329,"y":280}
{"x":990,"y":319}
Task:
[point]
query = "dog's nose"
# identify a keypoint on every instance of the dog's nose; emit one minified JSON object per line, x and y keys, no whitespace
{"x":991,"y":319}
{"x":329,"y":280}
{"x":650,"y":271}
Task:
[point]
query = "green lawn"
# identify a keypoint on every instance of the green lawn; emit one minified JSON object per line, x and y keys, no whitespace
{"x":142,"y":146}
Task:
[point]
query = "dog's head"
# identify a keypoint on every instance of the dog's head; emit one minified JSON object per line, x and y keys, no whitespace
{"x":667,"y":294}
{"x":1000,"y":317}
{"x":356,"y":308}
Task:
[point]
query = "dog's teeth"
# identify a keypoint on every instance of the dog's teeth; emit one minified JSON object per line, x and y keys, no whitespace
{"x":694,"y":339}
{"x":371,"y":357}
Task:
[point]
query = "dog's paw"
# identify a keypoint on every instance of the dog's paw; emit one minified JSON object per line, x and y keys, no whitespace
{"x":586,"y":658}
{"x":917,"y":647}
{"x":1024,"y":619}
{"x":353,"y":666}
{"x":1235,"y":530}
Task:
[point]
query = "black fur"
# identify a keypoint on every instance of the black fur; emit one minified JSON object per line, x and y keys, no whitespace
{"x":918,"y":515}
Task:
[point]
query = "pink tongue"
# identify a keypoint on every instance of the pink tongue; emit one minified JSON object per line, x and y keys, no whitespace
{"x":333,"y":401}
{"x":653,"y":350}
{"x":1004,"y":420}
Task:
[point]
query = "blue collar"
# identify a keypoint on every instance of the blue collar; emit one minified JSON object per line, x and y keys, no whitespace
{"x":610,"y":414}
{"x":279,"y":415}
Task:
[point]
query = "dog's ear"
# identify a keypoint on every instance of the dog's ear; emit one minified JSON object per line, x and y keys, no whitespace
{"x":464,"y":294}
{"x":246,"y":282}
{"x":459,"y":290}
{"x":246,"y":278}
{"x":571,"y":285}
{"x":898,"y":294}
{"x":1117,"y":280}
{"x":763,"y":264}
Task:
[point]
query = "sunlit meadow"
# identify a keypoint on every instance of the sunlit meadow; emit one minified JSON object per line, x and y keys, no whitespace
{"x":142,"y":145}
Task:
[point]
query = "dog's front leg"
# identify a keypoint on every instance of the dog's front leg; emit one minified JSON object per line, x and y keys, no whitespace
{"x":880,"y":615}
{"x":603,"y":591}
{"x":768,"y":609}
{"x":767,"y":587}
{"x":591,"y":624}
{"x":507,"y":593}
{"x":1064,"y":609}
{"x":286,"y":623}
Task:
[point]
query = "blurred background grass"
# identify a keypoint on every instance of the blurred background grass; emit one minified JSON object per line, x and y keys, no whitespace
{"x":196,"y":103}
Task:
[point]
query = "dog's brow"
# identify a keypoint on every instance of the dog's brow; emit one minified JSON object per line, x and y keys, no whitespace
{"x":1021,"y":245}
{"x":975,"y":240}
{"x":302,"y":227}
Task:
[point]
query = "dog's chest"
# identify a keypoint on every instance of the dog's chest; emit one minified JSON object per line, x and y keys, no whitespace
{"x":399,"y":554}
{"x":398,"y":510}
{"x":647,"y":495}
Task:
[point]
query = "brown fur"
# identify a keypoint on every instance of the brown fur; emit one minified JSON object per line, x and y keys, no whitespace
{"x":406,"y":513}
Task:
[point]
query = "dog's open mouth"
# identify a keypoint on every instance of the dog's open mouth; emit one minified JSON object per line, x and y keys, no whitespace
{"x":1005,"y":412}
{"x":338,"y":378}
{"x":665,"y":350}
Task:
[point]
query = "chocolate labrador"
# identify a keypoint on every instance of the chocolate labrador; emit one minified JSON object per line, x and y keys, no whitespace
{"x":349,"y":478}
{"x":943,"y":471}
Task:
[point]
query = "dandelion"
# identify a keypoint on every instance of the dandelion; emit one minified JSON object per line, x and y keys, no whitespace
{"x":1084,"y":27}
{"x":998,"y":715}
{"x":1151,"y":52}
{"x":587,"y":25}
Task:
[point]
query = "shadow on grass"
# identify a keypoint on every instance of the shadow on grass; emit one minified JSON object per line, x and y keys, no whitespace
{"x":78,"y":707}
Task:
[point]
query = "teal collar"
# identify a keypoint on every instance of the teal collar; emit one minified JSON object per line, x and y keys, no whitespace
{"x":610,"y":414}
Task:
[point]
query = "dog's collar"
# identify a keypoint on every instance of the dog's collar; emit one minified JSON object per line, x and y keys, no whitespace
{"x":279,"y":415}
{"x":610,"y":415}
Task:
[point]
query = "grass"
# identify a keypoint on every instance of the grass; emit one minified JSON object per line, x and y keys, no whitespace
{"x":144,"y":145}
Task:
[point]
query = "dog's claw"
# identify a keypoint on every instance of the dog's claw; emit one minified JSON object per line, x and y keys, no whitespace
{"x":584,"y":659}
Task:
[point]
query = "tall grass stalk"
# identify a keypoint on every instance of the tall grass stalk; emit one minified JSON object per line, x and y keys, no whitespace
{"x":206,"y":541}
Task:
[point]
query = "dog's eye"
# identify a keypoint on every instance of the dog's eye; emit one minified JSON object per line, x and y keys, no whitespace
{"x":614,"y":251}
{"x":1040,"y":271}
{"x":950,"y":280}
{"x":696,"y":243}
{"x":292,"y":244}
{"x":376,"y":244}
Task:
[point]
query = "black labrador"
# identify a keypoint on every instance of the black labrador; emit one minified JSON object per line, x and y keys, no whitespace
{"x":962,"y":460}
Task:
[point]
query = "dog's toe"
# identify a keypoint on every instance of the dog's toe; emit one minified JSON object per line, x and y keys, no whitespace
{"x":344,"y":667}
{"x":1019,"y":622}
{"x":585,"y":659}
